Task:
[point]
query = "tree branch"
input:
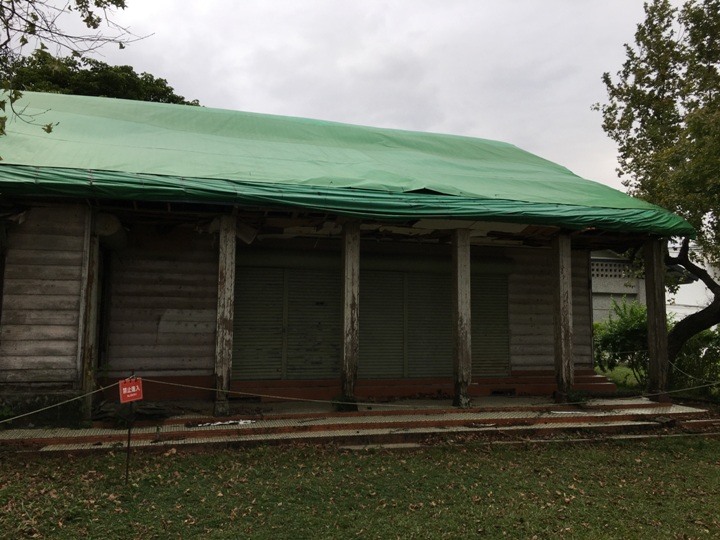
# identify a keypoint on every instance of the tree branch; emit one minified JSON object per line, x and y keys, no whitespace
{"x":683,"y":259}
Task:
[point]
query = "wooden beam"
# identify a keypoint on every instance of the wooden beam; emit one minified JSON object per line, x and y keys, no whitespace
{"x":225,"y":313}
{"x":351,"y":310}
{"x":654,"y":254}
{"x":563,"y":316}
{"x":462,"y":329}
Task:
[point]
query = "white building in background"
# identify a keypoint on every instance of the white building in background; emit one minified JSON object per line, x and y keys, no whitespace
{"x":611,"y":280}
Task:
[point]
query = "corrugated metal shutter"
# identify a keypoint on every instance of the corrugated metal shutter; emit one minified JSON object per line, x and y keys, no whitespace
{"x":429,"y":326}
{"x":314,"y":324}
{"x":490,"y":339}
{"x":382,"y":325}
{"x":287,"y":324}
{"x":258,"y":324}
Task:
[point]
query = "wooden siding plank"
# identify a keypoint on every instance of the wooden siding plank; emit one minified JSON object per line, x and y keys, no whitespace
{"x":174,"y":364}
{"x":66,"y":376}
{"x":34,"y":363}
{"x":163,"y":301}
{"x":39,"y":302}
{"x":163,"y":339}
{"x":43,"y":272}
{"x":37,"y":332}
{"x":40,"y":317}
{"x":33,"y":286}
{"x":151,"y":351}
{"x":38,"y":257}
{"x":166,"y":302}
{"x":45,"y":242}
{"x":39,"y":348}
{"x":136,"y":268}
{"x":157,"y":315}
{"x":165,"y":290}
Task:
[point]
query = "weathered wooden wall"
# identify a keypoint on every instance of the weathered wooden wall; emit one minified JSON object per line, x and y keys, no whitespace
{"x":42,"y":297}
{"x":163,"y":303}
{"x":531,"y":310}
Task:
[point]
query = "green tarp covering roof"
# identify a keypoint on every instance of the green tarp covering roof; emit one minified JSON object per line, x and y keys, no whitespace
{"x":118,"y":149}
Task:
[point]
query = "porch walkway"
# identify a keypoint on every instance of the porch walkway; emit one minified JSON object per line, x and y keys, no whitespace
{"x":403,"y":422}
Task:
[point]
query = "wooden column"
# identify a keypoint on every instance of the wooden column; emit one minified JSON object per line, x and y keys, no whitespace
{"x":225,"y":312}
{"x":462,"y":333}
{"x":351,"y":310}
{"x":657,"y":322}
{"x":89,"y":351}
{"x":563,"y":316}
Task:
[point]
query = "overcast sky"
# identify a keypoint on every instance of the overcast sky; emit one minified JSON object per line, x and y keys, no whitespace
{"x":521,"y":71}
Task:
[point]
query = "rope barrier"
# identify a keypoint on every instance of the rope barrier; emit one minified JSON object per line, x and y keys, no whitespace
{"x":688,"y":374}
{"x":321,"y":401}
{"x":59,"y":404}
{"x":288,"y":398}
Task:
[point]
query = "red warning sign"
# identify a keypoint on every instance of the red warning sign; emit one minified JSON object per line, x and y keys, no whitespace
{"x":131,"y":390}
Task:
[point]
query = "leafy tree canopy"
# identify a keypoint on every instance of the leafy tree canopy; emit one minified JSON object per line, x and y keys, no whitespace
{"x":42,"y":72}
{"x":29,"y":25}
{"x":664,"y":114}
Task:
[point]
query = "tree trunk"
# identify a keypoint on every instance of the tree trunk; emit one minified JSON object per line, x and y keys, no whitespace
{"x":691,"y":325}
{"x":703,"y":319}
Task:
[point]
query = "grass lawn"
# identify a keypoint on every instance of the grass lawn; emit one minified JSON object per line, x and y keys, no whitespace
{"x":656,"y":489}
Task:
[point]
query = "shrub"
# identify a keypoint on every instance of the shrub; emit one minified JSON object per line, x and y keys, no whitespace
{"x":622,"y":340}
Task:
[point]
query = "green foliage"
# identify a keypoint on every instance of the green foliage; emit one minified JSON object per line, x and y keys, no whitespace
{"x":42,"y":72}
{"x":698,"y":364}
{"x":664,"y":114}
{"x":36,"y":24}
{"x":622,"y":341}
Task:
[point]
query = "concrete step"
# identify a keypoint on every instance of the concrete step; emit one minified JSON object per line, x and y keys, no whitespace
{"x":363,"y":427}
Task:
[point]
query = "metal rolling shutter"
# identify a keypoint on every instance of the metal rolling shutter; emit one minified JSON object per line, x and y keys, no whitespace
{"x":429,"y":326}
{"x":314,"y":324}
{"x":490,"y":339}
{"x":258,"y":324}
{"x":287,"y":323}
{"x":382,"y":325}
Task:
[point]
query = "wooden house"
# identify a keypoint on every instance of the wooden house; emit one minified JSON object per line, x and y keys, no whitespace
{"x":292,"y":257}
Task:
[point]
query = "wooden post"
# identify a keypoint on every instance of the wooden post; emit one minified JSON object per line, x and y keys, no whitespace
{"x":563,"y":316}
{"x":462,"y":330}
{"x":225,"y":313}
{"x":657,"y":321}
{"x":351,"y":311}
{"x":90,"y":328}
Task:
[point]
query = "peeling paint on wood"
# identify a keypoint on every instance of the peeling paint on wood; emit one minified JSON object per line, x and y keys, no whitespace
{"x":225,"y":311}
{"x":44,"y":276}
{"x":563,"y":315}
{"x":351,"y":308}
{"x":462,"y":327}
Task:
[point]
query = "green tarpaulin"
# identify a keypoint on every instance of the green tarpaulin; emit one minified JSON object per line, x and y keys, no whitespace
{"x":118,"y":149}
